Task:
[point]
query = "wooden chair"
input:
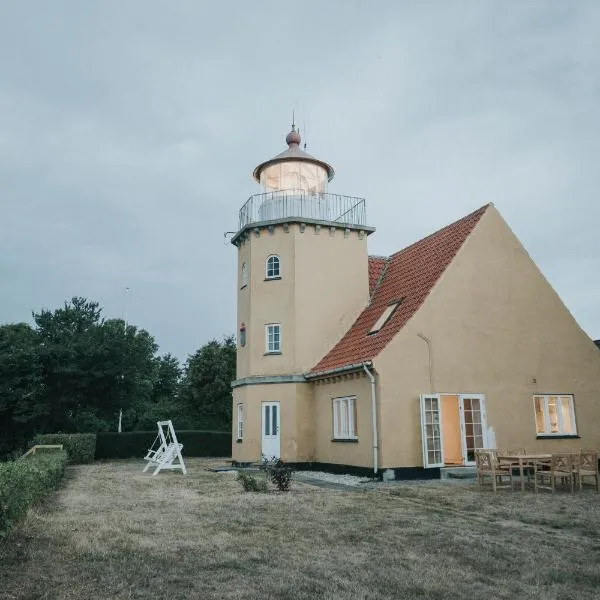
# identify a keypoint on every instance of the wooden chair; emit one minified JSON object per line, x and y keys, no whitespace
{"x":587,"y":466}
{"x":504,"y":465}
{"x":487,"y":466}
{"x":560,"y":465}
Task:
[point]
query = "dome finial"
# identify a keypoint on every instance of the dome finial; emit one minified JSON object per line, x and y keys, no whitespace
{"x":293,"y":137}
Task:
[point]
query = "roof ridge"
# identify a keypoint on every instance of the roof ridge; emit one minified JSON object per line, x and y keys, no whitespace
{"x":481,"y":209}
{"x":388,"y":260}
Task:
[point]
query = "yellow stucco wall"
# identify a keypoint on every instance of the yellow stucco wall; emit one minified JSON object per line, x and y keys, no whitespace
{"x":496,"y":327}
{"x":323,"y":287}
{"x":296,"y":420}
{"x":345,"y":453}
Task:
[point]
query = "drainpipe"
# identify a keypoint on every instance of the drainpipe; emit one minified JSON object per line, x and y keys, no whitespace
{"x":428,"y":342}
{"x":374,"y":416}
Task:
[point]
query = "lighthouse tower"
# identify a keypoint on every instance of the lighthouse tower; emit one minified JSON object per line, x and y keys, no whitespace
{"x":302,"y":281}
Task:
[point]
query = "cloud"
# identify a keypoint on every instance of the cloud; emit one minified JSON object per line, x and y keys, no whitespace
{"x":129,"y":132}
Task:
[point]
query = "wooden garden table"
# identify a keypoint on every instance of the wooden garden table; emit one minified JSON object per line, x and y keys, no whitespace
{"x":522,"y":459}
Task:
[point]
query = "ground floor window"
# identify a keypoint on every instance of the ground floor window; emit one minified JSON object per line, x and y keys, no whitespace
{"x":240,"y":421}
{"x":554,"y":415}
{"x":344,"y":418}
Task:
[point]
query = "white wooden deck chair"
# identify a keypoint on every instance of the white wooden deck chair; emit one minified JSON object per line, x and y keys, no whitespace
{"x":168,"y":453}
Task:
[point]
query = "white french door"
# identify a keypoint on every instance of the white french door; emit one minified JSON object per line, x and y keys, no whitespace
{"x":431,"y":430}
{"x":270,"y":430}
{"x":473,"y":425}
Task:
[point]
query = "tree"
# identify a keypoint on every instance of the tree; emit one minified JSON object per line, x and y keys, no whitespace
{"x":92,"y":368}
{"x":206,"y":385}
{"x":164,"y":402}
{"x":22,"y":406}
{"x":169,"y":373}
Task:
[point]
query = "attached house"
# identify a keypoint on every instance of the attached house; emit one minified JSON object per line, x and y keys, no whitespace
{"x":405,"y":363}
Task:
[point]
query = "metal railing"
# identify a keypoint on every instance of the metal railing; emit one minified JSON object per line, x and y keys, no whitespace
{"x":271,"y":206}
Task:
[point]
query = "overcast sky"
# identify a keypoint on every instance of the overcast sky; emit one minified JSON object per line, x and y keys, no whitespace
{"x":129,"y":131}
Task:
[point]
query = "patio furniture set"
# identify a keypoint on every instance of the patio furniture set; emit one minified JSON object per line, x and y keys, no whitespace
{"x":569,"y":469}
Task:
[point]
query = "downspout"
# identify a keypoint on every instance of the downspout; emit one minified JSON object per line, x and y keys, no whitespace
{"x":374,"y":416}
{"x":428,"y":342}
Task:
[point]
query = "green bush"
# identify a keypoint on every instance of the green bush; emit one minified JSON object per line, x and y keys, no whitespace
{"x":252,"y":484}
{"x":278,"y":473}
{"x":25,"y":481}
{"x":81,"y":447}
{"x":135,"y":444}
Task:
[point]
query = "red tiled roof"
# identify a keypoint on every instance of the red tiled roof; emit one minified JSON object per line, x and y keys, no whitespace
{"x":410,"y":274}
{"x":376,"y":265}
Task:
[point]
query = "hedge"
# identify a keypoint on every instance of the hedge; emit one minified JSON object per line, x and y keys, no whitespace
{"x":25,"y":481}
{"x":135,"y":444}
{"x":81,"y":447}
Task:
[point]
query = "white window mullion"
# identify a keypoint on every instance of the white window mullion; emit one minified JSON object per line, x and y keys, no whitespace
{"x":559,"y":416}
{"x":240,"y":416}
{"x":573,"y":422}
{"x":547,"y":426}
{"x":336,"y":419}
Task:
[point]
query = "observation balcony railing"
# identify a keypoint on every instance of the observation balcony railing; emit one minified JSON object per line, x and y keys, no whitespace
{"x":273,"y":206}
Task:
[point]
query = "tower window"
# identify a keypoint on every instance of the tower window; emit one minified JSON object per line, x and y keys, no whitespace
{"x":244,"y":274}
{"x":273,"y":269}
{"x":273,"y":338}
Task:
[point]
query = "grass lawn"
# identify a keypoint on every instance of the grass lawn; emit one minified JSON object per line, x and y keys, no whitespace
{"x":113,"y":532}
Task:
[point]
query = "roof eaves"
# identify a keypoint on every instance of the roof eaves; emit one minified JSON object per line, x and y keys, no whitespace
{"x":338,"y":370}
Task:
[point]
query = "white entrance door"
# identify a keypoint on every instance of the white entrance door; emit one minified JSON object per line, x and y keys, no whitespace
{"x":473,"y":425}
{"x":431,"y":430}
{"x":270,"y":430}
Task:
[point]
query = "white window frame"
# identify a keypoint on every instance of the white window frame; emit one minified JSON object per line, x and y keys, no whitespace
{"x":244,"y":275}
{"x":268,"y":348}
{"x":384,"y":317}
{"x":346,"y":429}
{"x":240,"y":421}
{"x":547,"y":426}
{"x":272,"y":258}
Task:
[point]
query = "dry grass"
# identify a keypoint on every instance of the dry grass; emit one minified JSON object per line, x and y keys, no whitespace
{"x":112,"y":532}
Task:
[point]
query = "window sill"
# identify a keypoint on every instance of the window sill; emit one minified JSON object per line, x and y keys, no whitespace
{"x":239,"y":441}
{"x":570,"y":436}
{"x":271,"y":353}
{"x":273,"y":278}
{"x":345,"y":440}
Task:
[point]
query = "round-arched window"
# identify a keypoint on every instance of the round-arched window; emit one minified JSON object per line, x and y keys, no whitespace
{"x":273,"y":267}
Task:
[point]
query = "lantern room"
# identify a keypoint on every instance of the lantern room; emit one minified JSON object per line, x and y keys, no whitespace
{"x":294,"y":170}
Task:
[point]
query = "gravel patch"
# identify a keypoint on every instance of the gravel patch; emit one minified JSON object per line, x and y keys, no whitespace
{"x":349,"y":480}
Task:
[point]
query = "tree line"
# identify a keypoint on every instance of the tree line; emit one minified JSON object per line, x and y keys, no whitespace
{"x":73,"y":372}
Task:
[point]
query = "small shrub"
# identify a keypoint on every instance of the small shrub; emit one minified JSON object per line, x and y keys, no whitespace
{"x":80,"y":447}
{"x":252,"y":484}
{"x":24,"y":482}
{"x":278,"y":473}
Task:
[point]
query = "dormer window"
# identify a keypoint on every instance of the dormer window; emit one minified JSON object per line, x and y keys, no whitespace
{"x":385,"y":316}
{"x":273,"y":270}
{"x":244,"y":275}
